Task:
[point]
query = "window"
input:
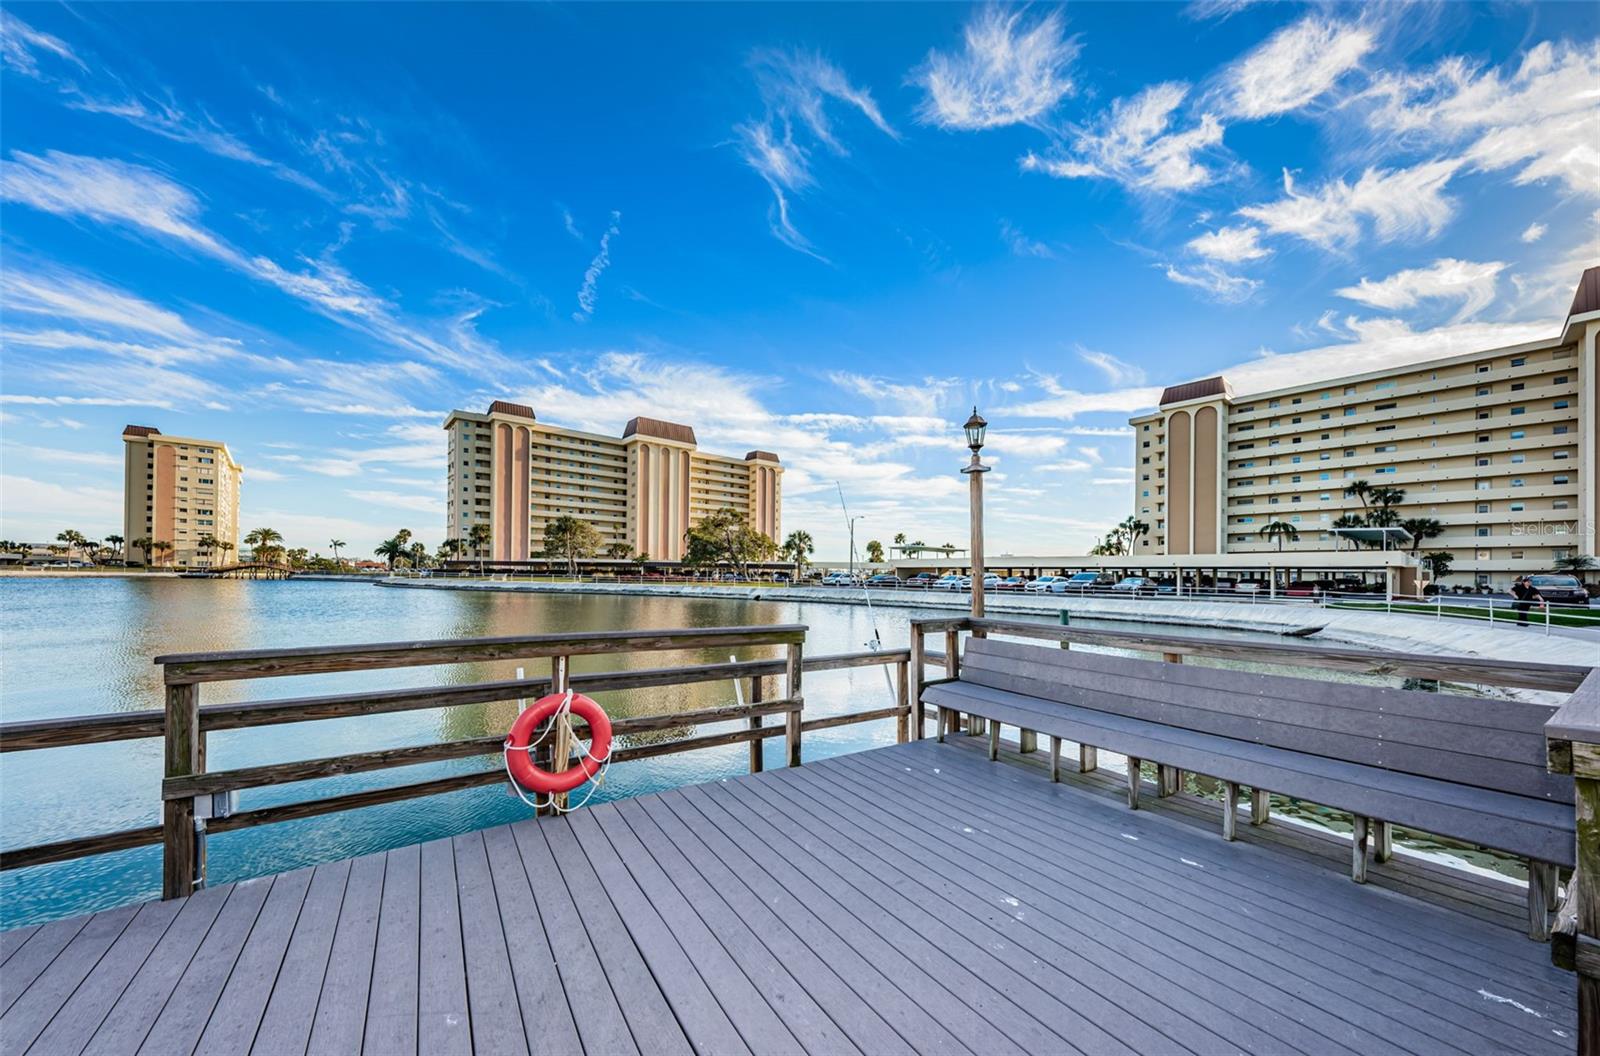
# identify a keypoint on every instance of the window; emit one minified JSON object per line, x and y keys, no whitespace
{"x":1382,"y":449}
{"x":1294,"y":421}
{"x":1481,"y":533}
{"x":1516,"y":482}
{"x":1483,"y":390}
{"x":1349,"y":412}
{"x":1295,"y":458}
{"x":1560,"y":405}
{"x":1484,"y":485}
{"x":1560,"y":454}
{"x":1385,"y":469}
{"x":1518,"y":362}
{"x":1294,"y":480}
{"x":1295,"y":400}
{"x":1324,"y":497}
{"x":1519,"y":458}
{"x":1384,"y":406}
{"x":1483,"y":461}
{"x":1247,"y":520}
{"x":1349,"y":390}
{"x":1559,"y":504}
{"x":1518,"y":507}
{"x":1560,"y":379}
{"x":1482,"y":415}
{"x":1558,"y":480}
{"x":1518,"y":434}
{"x":1272,"y":403}
{"x":1324,"y":457}
{"x":1517,"y":386}
{"x":1483,"y":507}
{"x":1559,"y":430}
{"x":1385,"y":384}
{"x":1324,"y":476}
{"x":1483,"y":438}
{"x":1519,"y":410}
{"x":1482,"y":368}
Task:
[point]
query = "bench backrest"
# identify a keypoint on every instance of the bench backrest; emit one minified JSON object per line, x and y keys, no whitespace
{"x":1495,"y":744}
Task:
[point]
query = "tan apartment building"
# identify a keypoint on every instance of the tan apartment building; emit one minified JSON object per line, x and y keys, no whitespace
{"x":643,"y":489}
{"x":1498,"y":446}
{"x":179,"y":490}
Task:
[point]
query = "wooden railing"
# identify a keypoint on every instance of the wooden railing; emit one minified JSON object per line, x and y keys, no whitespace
{"x":185,"y":722}
{"x":1572,"y":745}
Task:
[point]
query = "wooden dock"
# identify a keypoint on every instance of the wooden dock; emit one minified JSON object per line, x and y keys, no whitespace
{"x":913,"y":898}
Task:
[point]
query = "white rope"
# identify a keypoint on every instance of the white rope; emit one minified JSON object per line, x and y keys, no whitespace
{"x":563,"y":714}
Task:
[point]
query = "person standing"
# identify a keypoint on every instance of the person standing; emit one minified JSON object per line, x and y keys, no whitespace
{"x":1526,"y":595}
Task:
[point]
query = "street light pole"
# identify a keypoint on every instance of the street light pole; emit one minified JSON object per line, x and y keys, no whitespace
{"x":975,"y":470}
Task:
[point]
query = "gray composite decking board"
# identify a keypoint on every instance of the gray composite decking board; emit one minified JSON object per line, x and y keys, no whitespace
{"x":13,"y":938}
{"x":1444,"y":751}
{"x":443,"y":1025}
{"x":1026,"y":1012}
{"x":812,"y":1027}
{"x":36,"y":955}
{"x":596,"y":1011}
{"x":1517,"y":824}
{"x":231,"y":1027}
{"x":983,"y":907}
{"x":391,"y":1023}
{"x":184,"y":1018}
{"x":780,"y":916}
{"x":32,"y":1008}
{"x":1419,"y":951}
{"x":1032,"y":867}
{"x":1494,"y":713}
{"x":644,"y":1001}
{"x":704,"y":985}
{"x":832,"y":985}
{"x":286,"y":1024}
{"x":1265,"y":888}
{"x":546,"y":1015}
{"x":341,"y":1009}
{"x":76,"y":1020}
{"x":965,"y":1004}
{"x":491,"y":991}
{"x":124,"y":1028}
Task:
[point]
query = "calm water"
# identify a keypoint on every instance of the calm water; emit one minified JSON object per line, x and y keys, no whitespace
{"x":85,"y":646}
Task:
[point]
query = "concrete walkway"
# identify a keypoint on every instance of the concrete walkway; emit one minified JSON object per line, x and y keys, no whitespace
{"x":1398,"y":631}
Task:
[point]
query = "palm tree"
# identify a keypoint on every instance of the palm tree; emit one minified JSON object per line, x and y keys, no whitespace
{"x":874,"y":552}
{"x":206,"y":544}
{"x":572,"y":539}
{"x":162,"y":547}
{"x":450,"y":548}
{"x":223,"y":548}
{"x":478,"y":537}
{"x":1360,"y":489}
{"x":1575,"y":563}
{"x":619,"y":551}
{"x":263,"y":543}
{"x":1422,"y":529}
{"x":798,"y":548}
{"x":73,"y":539}
{"x":142,"y":544}
{"x":115,"y":542}
{"x":1280,"y":530}
{"x":391,"y":550}
{"x":1438,"y":563}
{"x":419,"y":555}
{"x":334,"y":545}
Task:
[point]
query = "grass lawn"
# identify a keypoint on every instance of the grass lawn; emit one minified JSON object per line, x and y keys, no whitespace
{"x":1502,"y":614}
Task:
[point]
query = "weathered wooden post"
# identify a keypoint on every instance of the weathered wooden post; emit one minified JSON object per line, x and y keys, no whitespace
{"x":1572,"y":746}
{"x":792,"y":718}
{"x":182,"y":860}
{"x":919,"y":676}
{"x":902,"y":698}
{"x":560,"y":748}
{"x":952,"y":669}
{"x":757,"y":746}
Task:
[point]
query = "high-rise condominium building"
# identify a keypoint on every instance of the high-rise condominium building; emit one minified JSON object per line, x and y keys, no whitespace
{"x":643,"y":489}
{"x":178,"y":490}
{"x":1499,"y":447}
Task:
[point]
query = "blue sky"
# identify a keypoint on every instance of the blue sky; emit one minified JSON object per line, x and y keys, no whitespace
{"x":312,"y":230}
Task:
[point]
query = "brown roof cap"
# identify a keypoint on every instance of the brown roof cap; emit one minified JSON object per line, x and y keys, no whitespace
{"x":141,"y":430}
{"x":681,"y":434}
{"x":517,"y":409}
{"x":764,"y":456}
{"x":1194,"y":390}
{"x":1587,"y":297}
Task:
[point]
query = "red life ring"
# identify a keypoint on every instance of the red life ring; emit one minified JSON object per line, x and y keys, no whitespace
{"x":538,"y":780}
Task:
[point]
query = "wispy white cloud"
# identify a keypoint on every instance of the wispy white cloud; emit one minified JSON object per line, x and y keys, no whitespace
{"x":1398,"y":203}
{"x":571,"y":224}
{"x":35,"y":510}
{"x":1447,"y":279}
{"x":29,"y":453}
{"x":20,"y":45}
{"x":1533,"y":232}
{"x":1116,"y":371}
{"x":401,"y":500}
{"x":590,"y":290}
{"x":1539,"y":119}
{"x":918,"y":397}
{"x":1211,"y":280}
{"x":1061,"y":401}
{"x":1295,"y":66}
{"x":796,"y":88}
{"x":1021,"y":245}
{"x":1230,"y":245}
{"x":1012,"y":70}
{"x":1136,"y":145}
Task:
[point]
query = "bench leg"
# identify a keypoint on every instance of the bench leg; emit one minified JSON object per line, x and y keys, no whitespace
{"x":944,"y":723}
{"x":1055,"y":758}
{"x":1260,"y":806}
{"x":1358,"y":851}
{"x":1382,"y":841}
{"x":1539,"y":884}
{"x":974,"y":726}
{"x":994,"y":740}
{"x":1230,"y":809}
{"x":1027,"y":741}
{"x":1134,"y":780}
{"x":1553,"y":889}
{"x":1088,"y":758}
{"x":1166,"y":780}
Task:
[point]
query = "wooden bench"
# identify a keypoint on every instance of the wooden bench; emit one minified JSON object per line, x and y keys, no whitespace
{"x":1468,"y":768}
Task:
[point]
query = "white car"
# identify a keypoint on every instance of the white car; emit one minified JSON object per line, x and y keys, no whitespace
{"x":838,"y":579}
{"x":949,"y":581}
{"x":991,"y":581}
{"x":1047,"y":585}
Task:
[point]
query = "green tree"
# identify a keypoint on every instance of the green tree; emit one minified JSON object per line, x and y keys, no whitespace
{"x":206,"y":544}
{"x":478,"y":537}
{"x":619,"y":551}
{"x":1360,"y":489}
{"x":1575,"y":563}
{"x":142,"y":544}
{"x":73,"y":539}
{"x":1438,"y":562}
{"x":263,"y":543}
{"x":115,"y":542}
{"x":392,"y":550}
{"x":450,"y":548}
{"x":797,"y":549}
{"x":334,"y":545}
{"x":418,"y":555}
{"x":572,"y":540}
{"x":223,"y":548}
{"x":162,"y":548}
{"x":874,"y":552}
{"x":1422,"y":529}
{"x":1280,"y":530}
{"x":298,"y":557}
{"x":727,"y":537}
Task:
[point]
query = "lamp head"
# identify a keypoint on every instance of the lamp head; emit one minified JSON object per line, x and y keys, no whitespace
{"x":975,"y":429}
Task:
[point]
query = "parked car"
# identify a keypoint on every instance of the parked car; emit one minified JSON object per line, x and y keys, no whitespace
{"x":1249,"y":586}
{"x":922,"y":580}
{"x":1012,"y":583}
{"x":1303,"y":589}
{"x":1560,"y":589}
{"x":1135,"y":585}
{"x":884,"y":579}
{"x":780,"y":577}
{"x":838,"y":579}
{"x":1047,"y":585}
{"x":949,"y":581}
{"x":1083,"y":582}
{"x":991,"y":581}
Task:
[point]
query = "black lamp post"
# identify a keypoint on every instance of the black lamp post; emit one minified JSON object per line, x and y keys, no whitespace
{"x":975,"y":429}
